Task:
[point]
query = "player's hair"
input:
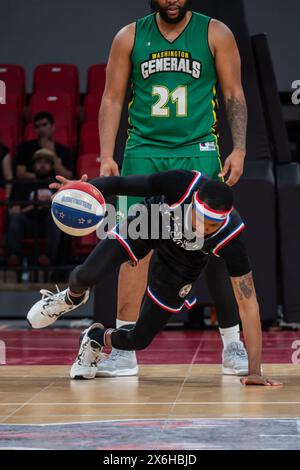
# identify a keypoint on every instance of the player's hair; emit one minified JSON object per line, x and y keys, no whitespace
{"x":217,"y":195}
{"x":44,"y":115}
{"x":153,"y":5}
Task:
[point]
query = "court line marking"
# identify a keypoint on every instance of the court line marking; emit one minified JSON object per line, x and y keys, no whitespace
{"x":23,"y":448}
{"x":133,"y":420}
{"x":187,"y":376}
{"x":25,"y":403}
{"x":171,"y":403}
{"x":279,"y":435}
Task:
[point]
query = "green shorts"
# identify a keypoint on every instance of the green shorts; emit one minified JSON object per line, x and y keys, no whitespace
{"x":210,"y":165}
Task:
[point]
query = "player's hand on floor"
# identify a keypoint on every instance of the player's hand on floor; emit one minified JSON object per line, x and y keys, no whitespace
{"x":61,"y":181}
{"x":260,"y":380}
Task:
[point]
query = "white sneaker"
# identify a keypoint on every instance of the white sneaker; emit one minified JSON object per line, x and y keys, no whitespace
{"x":118,"y":364}
{"x":235,"y":359}
{"x":85,"y":365}
{"x":51,"y":307}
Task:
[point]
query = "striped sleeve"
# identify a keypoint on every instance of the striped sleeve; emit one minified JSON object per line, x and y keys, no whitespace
{"x":236,"y":257}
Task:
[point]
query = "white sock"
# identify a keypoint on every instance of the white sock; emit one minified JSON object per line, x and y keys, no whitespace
{"x":123,"y":323}
{"x":229,"y":335}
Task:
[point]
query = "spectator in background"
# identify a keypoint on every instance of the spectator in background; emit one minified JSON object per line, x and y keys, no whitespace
{"x":5,"y":169}
{"x":44,"y":127}
{"x":24,"y":219}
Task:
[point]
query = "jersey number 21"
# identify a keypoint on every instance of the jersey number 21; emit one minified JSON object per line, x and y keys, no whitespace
{"x":178,"y":97}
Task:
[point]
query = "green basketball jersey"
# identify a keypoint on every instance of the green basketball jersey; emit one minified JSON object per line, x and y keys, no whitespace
{"x":172,"y":112}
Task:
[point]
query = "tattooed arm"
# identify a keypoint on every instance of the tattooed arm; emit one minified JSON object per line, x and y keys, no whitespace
{"x":244,"y":291}
{"x":228,"y":66}
{"x":245,"y":295}
{"x":236,"y":111}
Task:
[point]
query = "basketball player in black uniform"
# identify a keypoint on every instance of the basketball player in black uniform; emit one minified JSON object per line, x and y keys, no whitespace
{"x":188,"y":203}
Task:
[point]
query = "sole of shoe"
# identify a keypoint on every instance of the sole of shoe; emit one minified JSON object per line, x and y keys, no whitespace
{"x":118,"y":373}
{"x":81,"y":377}
{"x":239,"y":373}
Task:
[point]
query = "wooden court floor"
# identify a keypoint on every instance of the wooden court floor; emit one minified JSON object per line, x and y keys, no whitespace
{"x":170,"y":405}
{"x":45,"y":394}
{"x":167,"y":407}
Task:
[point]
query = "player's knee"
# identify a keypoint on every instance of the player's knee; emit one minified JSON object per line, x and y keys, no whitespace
{"x":139,"y":343}
{"x":80,"y":278}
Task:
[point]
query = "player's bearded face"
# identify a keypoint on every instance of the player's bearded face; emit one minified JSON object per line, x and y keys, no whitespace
{"x":170,"y":11}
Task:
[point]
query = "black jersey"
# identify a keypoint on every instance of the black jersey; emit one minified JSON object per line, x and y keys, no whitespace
{"x":173,"y":190}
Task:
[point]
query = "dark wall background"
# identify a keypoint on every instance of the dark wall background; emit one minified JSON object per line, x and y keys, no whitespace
{"x":80,"y":32}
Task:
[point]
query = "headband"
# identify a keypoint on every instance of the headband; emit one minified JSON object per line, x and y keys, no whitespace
{"x":207,"y":212}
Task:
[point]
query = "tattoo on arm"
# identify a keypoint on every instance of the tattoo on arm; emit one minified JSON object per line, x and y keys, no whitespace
{"x":244,"y":286}
{"x":237,"y":116}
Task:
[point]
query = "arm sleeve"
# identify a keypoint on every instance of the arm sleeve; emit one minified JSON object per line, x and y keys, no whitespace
{"x":236,"y":257}
{"x":171,"y":184}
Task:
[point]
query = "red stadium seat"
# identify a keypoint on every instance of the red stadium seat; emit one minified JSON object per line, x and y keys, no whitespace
{"x":2,"y":214}
{"x":61,"y":135}
{"x":7,"y":138}
{"x":42,"y":100}
{"x":10,"y":117}
{"x":89,"y":138}
{"x":13,"y":99}
{"x":91,"y":107}
{"x":54,"y":78}
{"x":96,"y":79}
{"x":90,"y":164}
{"x":14,"y":78}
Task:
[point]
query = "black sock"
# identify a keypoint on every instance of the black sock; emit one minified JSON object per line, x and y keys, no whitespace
{"x":97,"y":335}
{"x":75,"y":300}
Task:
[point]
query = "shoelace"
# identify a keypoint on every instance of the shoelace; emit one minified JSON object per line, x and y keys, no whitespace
{"x":240,"y":352}
{"x":50,"y":308}
{"x":47,"y":294}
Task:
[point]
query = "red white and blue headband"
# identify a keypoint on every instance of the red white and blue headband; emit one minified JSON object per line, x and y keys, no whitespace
{"x":211,"y":214}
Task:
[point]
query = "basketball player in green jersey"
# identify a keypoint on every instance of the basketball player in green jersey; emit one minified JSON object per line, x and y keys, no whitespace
{"x":174,"y":59}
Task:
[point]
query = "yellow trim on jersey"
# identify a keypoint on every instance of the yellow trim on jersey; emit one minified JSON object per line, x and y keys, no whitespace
{"x":214,"y":105}
{"x":129,"y":121}
{"x":130,"y":105}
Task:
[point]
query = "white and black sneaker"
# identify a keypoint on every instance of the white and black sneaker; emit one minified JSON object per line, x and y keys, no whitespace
{"x":51,"y":307}
{"x":85,"y":365}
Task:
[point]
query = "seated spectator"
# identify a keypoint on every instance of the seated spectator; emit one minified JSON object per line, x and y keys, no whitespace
{"x":44,"y":128}
{"x":5,"y":168}
{"x":24,"y":220}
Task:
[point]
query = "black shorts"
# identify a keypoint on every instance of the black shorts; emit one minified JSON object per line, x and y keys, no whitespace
{"x":172,"y":271}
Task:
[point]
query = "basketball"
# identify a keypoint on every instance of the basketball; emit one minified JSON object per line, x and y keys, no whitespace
{"x":78,"y":208}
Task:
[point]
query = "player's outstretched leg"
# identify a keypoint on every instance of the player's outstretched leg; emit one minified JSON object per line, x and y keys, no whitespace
{"x":105,"y":257}
{"x":127,"y":338}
